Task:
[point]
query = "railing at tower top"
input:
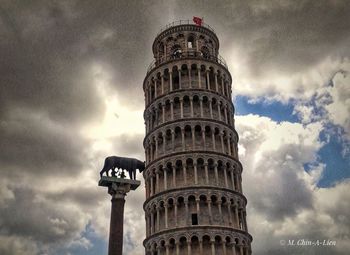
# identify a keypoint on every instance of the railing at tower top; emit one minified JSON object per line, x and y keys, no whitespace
{"x":184,"y":22}
{"x":186,"y":54}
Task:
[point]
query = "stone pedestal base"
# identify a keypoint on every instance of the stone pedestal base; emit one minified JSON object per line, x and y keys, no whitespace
{"x":117,"y":188}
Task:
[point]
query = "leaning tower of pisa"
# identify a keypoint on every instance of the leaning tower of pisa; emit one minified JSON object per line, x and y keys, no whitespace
{"x":194,"y":199}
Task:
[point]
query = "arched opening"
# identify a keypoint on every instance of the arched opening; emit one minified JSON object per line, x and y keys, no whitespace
{"x":189,"y":171}
{"x":203,"y":210}
{"x":178,"y":139}
{"x":205,"y":52}
{"x":201,"y":171}
{"x":188,"y":137}
{"x":198,"y":138}
{"x":186,"y":107}
{"x":191,"y":42}
{"x":183,"y":245}
{"x":206,"y":245}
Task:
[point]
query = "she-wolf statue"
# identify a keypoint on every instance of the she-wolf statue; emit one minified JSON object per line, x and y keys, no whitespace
{"x":129,"y":164}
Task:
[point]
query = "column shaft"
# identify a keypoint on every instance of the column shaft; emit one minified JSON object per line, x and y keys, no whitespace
{"x":115,"y":246}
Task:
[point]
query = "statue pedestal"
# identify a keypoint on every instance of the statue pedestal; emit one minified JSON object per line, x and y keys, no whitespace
{"x":117,"y":188}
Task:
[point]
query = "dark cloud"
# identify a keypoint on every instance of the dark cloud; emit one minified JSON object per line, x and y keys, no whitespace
{"x":33,"y":145}
{"x":285,"y":194}
{"x":45,"y":222}
{"x":49,"y":91}
{"x":129,"y":145}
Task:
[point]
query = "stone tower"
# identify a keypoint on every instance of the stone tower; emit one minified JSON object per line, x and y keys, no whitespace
{"x":194,"y":201}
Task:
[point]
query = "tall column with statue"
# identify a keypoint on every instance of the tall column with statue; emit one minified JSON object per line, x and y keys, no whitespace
{"x":113,"y":177}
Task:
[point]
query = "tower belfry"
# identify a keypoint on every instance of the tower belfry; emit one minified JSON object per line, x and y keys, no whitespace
{"x":194,"y":200}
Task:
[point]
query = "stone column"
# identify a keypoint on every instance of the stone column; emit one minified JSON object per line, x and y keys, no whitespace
{"x":173,"y":139}
{"x":166,"y":249}
{"x":149,"y":94}
{"x":163,"y":112}
{"x":165,"y":53}
{"x":227,"y":90}
{"x":201,"y":106}
{"x":228,"y":145}
{"x":245,"y":220}
{"x":237,"y":182}
{"x":200,"y":247}
{"x":188,"y":247}
{"x":216,"y":173}
{"x":189,"y":76}
{"x":164,"y":139}
{"x":229,"y":212}
{"x":165,"y":178}
{"x":152,"y":222}
{"x":206,"y":173}
{"x":156,"y":142}
{"x":203,"y":138}
{"x":172,"y":109}
{"x":240,"y":183}
{"x":166,"y":214}
{"x":186,"y":212}
{"x":225,"y":176}
{"x":232,"y":180}
{"x":155,"y":88}
{"x":183,"y":138}
{"x":162,"y":80}
{"x":219,"y":110}
{"x":211,"y":108}
{"x":152,"y":186}
{"x":213,"y":138}
{"x":220,"y":211}
{"x":198,"y":208}
{"x":224,"y":247}
{"x":216,"y":83}
{"x":234,"y":249}
{"x":225,"y":113}
{"x":175,"y":212}
{"x":222,"y":142}
{"x":209,"y":209}
{"x":177,"y":248}
{"x":171,"y":80}
{"x":157,"y":116}
{"x":222,"y":85}
{"x":181,"y":108}
{"x":208,"y":80}
{"x":195,"y":173}
{"x":151,"y":147}
{"x":158,"y":217}
{"x":193,"y":138}
{"x":157,"y":180}
{"x":199,"y":78}
{"x":236,"y":216}
{"x":184,"y":170}
{"x":212,"y":244}
{"x":174,"y":176}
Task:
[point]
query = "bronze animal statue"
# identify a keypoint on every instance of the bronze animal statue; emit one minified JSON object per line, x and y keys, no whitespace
{"x":129,"y":164}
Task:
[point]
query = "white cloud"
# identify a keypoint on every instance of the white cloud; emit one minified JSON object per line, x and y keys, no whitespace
{"x":283,"y":200}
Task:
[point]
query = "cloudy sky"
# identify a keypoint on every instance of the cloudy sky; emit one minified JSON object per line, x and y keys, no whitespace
{"x":71,"y":76}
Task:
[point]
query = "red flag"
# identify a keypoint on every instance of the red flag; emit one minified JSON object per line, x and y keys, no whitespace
{"x":197,"y":20}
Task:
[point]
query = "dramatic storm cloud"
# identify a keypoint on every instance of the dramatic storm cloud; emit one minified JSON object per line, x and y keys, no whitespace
{"x":71,"y":76}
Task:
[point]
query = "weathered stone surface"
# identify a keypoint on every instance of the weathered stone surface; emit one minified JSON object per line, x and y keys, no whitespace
{"x":194,"y":199}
